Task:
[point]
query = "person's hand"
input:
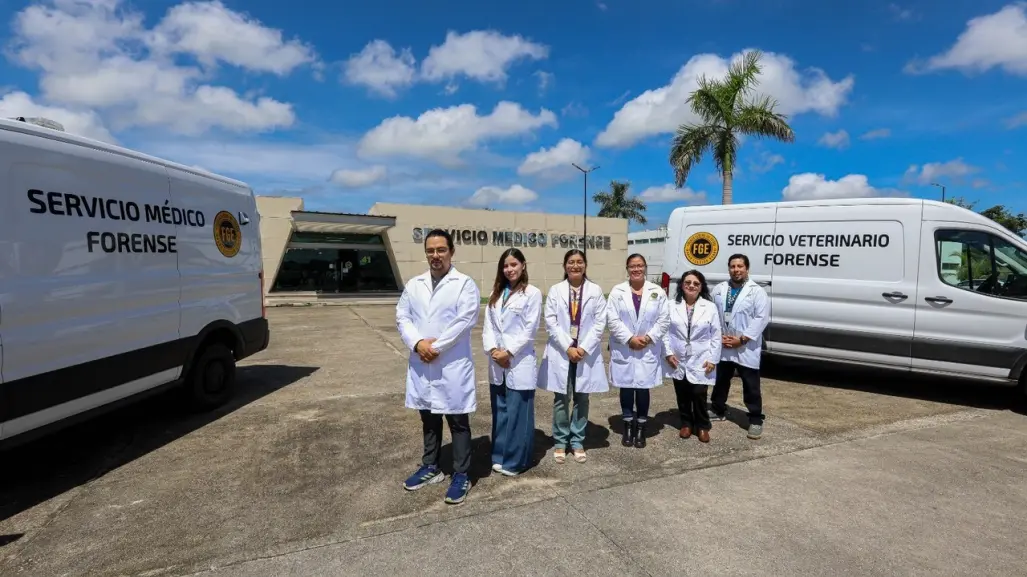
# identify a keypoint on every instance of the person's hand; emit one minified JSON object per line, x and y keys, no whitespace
{"x":673,"y":361}
{"x":425,"y":350}
{"x":581,"y":353}
{"x":636,"y":343}
{"x":731,"y":342}
{"x":708,"y":367}
{"x":573,"y":354}
{"x":502,"y":358}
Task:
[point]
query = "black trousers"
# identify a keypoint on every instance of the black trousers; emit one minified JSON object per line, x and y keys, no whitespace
{"x":751,"y":394}
{"x":459,"y":428}
{"x":692,"y":405}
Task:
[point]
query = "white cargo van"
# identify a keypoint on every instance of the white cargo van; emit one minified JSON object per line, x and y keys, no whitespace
{"x":120,"y":275}
{"x":891,"y":282}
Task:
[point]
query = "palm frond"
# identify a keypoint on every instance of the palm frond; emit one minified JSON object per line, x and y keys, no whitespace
{"x":725,"y":151}
{"x":759,"y":119}
{"x":743,"y":75}
{"x":706,"y":103}
{"x":690,"y":145}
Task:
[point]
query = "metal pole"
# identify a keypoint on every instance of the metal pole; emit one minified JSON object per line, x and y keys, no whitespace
{"x":942,"y":187}
{"x":584,"y":212}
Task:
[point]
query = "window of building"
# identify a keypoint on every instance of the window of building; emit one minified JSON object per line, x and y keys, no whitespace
{"x":981,"y":262}
{"x":335,"y":263}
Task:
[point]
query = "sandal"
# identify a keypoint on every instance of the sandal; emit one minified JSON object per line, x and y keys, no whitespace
{"x":560,"y":455}
{"x":580,"y":455}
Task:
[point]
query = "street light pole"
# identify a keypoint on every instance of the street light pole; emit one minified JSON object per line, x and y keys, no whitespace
{"x":942,"y":186}
{"x":584,"y":213}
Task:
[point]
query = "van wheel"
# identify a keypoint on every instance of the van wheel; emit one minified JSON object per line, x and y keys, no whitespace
{"x":211,"y":380}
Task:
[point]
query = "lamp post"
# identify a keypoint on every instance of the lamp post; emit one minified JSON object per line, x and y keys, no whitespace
{"x":942,"y":187}
{"x":584,"y":213}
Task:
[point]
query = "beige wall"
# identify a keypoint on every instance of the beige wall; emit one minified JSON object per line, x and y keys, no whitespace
{"x":275,"y":230}
{"x":545,"y":265}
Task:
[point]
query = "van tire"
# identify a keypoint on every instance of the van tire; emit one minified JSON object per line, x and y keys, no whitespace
{"x":211,"y":380}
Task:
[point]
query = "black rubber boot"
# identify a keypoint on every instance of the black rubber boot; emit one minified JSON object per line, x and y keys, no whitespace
{"x":629,"y":433}
{"x":640,"y":434}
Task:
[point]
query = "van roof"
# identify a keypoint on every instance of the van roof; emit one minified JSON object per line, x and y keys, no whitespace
{"x":34,"y":130}
{"x":934,"y":205}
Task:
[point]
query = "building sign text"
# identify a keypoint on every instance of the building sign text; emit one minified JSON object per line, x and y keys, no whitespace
{"x":528,"y":239}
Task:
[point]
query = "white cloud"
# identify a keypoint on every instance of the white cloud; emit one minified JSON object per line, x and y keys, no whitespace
{"x":250,"y":159}
{"x":360,"y":177}
{"x":811,"y":186}
{"x":442,"y":134}
{"x":993,"y":40}
{"x":934,"y":171}
{"x":100,"y":55}
{"x":1017,"y":121}
{"x":482,"y":55}
{"x":555,"y":163}
{"x":81,"y":123}
{"x":544,"y":80}
{"x":839,"y":140}
{"x":662,"y":110}
{"x":876,"y":134}
{"x":487,"y":196}
{"x":379,"y":67}
{"x":671,"y":193}
{"x":766,"y":163}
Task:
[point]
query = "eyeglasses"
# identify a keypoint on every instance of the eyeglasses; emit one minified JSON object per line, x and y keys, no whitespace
{"x":437,"y":251}
{"x":693,"y":283}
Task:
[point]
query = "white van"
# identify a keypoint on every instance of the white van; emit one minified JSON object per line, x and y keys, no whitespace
{"x":120,"y":275}
{"x":891,"y":282}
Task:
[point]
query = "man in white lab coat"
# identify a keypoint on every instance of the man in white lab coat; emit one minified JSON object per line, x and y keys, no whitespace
{"x":435,"y":316}
{"x":744,"y":313}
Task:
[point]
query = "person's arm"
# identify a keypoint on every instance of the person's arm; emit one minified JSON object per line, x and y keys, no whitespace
{"x":659,"y":329}
{"x":716,"y":342}
{"x":667,"y":349}
{"x":552,"y":318}
{"x":593,"y":338}
{"x":407,"y":331}
{"x":467,"y":305}
{"x":488,"y":333}
{"x":760,"y":316}
{"x":532,"y":313}
{"x":618,"y":330}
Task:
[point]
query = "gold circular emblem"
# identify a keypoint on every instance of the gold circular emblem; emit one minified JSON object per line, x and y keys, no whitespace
{"x":701,"y":248}
{"x":227,"y":234}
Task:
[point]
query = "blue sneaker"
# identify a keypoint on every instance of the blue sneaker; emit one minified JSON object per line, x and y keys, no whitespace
{"x":458,"y":489}
{"x":426,"y":475}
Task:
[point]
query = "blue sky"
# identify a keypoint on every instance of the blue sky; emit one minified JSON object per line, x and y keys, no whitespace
{"x":486,"y":104}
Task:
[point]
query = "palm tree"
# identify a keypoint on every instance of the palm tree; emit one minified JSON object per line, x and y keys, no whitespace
{"x":617,"y":203}
{"x":727,"y":110}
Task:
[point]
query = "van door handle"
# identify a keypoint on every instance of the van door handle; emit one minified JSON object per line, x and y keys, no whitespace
{"x":939,"y":300}
{"x":894,"y":295}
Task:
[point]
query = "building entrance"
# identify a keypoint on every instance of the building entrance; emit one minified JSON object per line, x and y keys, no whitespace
{"x":328,"y":268}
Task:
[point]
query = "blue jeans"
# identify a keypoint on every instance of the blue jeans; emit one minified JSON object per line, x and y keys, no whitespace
{"x":569,"y":425}
{"x":513,"y":427}
{"x":632,"y":399}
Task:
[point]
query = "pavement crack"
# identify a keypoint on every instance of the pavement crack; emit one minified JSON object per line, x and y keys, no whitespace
{"x":377,"y":333}
{"x":624,"y":551}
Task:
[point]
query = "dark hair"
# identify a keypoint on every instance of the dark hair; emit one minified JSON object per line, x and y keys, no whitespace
{"x":502,"y":282}
{"x":636,"y":255}
{"x":439,"y":232}
{"x":744,"y":258}
{"x":704,"y":289}
{"x":567,"y":256}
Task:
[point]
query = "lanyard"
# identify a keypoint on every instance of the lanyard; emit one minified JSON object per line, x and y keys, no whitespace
{"x":506,"y":296}
{"x":575,"y":311}
{"x":688,"y":335}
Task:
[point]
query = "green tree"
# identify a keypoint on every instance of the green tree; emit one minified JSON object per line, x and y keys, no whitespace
{"x":618,"y":204}
{"x":1016,"y":223}
{"x":727,"y":109}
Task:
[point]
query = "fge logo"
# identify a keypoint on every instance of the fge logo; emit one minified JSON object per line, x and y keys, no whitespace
{"x":701,"y":248}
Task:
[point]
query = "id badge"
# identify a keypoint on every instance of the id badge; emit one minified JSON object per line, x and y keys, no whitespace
{"x":574,"y":333}
{"x":727,"y":318}
{"x":688,"y":350}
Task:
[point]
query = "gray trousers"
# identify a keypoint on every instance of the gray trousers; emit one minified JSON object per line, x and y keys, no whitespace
{"x":459,"y":429}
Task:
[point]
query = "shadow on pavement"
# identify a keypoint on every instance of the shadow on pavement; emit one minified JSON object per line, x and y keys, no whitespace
{"x":938,"y":389}
{"x":52,"y":465}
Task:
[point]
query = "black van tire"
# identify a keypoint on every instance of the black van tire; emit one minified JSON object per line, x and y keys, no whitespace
{"x":211,"y":380}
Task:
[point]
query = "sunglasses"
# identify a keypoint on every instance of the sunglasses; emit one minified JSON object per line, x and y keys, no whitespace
{"x":692,"y":283}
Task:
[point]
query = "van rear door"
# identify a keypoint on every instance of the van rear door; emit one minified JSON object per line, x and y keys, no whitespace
{"x":845,"y":281}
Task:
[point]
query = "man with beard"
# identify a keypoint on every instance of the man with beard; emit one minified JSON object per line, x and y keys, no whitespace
{"x":744,"y":311}
{"x":435,"y":316}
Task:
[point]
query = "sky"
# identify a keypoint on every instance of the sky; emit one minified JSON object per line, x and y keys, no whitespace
{"x":485,"y":104}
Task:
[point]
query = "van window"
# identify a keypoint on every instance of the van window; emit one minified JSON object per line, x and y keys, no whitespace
{"x":981,"y":262}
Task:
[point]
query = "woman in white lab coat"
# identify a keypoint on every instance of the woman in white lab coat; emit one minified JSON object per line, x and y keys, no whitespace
{"x":637,"y":316}
{"x":692,"y":346}
{"x":572,"y":365}
{"x":511,"y":322}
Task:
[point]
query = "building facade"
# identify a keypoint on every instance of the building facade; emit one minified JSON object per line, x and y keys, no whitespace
{"x":650,"y":244}
{"x":319,"y":253}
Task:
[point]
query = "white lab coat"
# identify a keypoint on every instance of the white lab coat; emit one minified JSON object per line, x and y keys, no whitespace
{"x":513,"y":329}
{"x":750,"y":316}
{"x":590,"y":376}
{"x":447,"y":384}
{"x":640,"y":369}
{"x":704,"y":344}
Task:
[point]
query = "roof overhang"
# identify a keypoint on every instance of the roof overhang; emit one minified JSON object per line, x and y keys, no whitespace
{"x":329,"y":222}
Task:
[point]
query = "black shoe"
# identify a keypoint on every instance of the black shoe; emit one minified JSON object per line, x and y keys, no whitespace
{"x":629,"y":433}
{"x":640,"y":435}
